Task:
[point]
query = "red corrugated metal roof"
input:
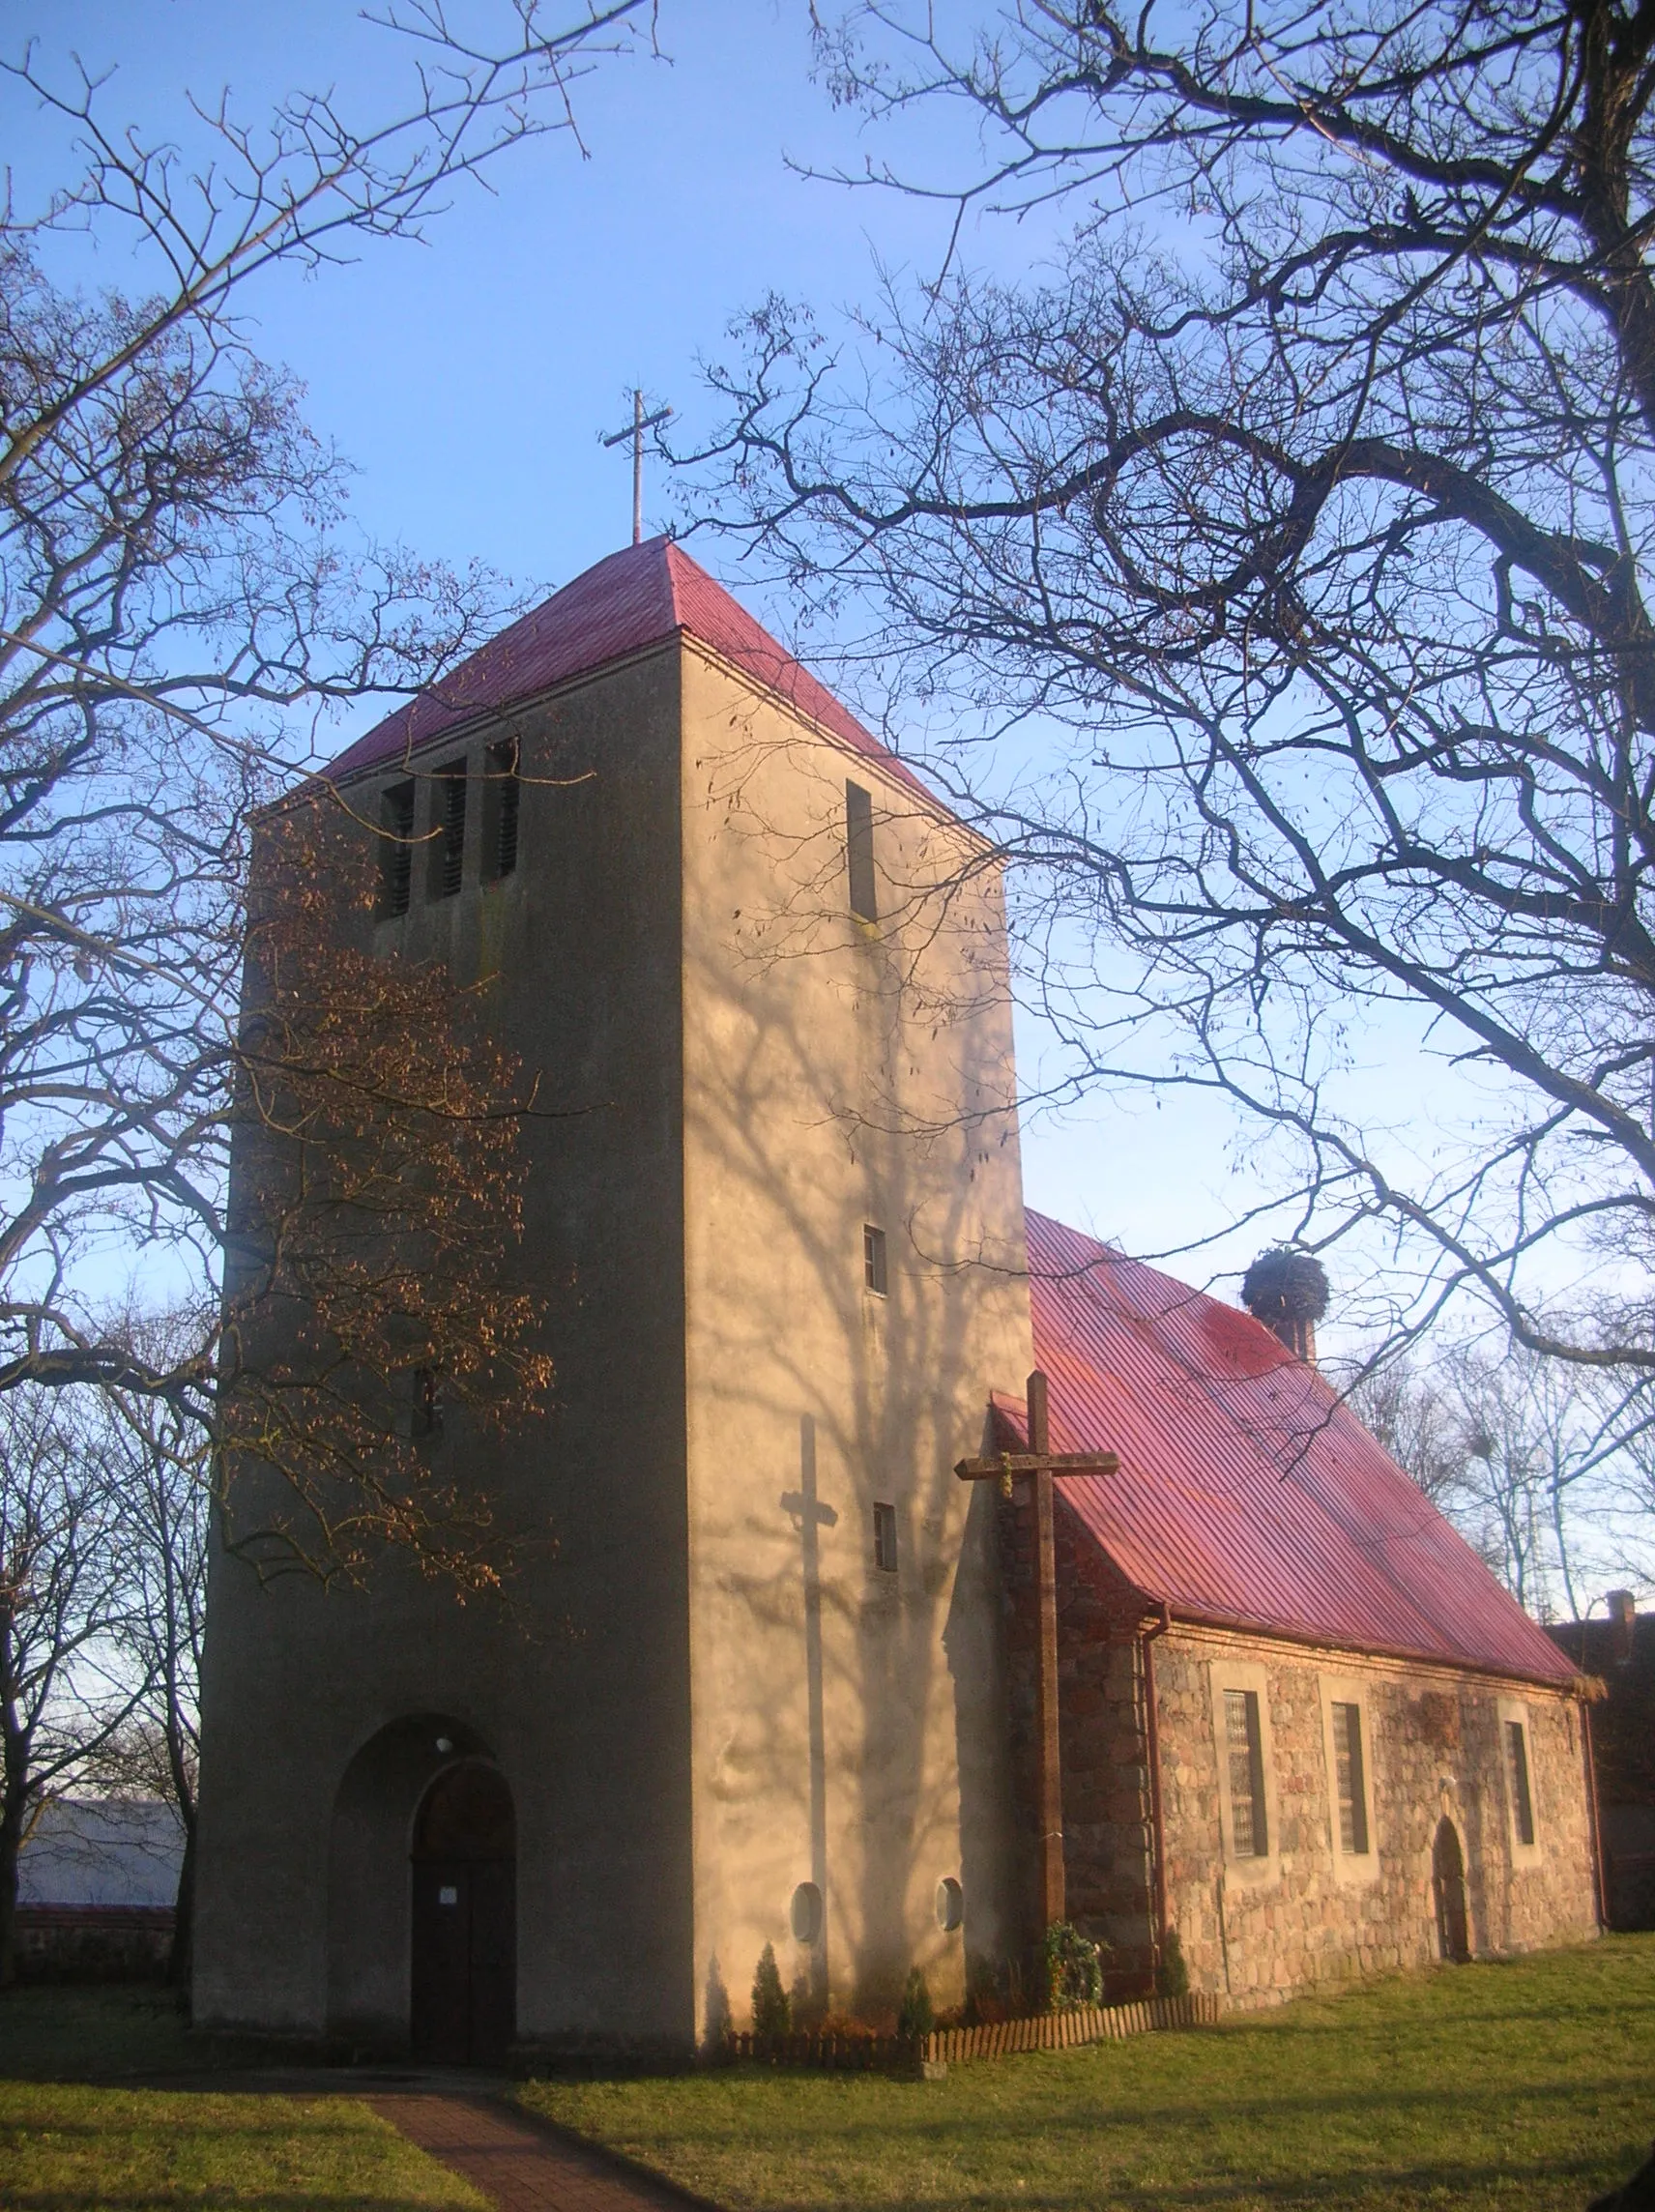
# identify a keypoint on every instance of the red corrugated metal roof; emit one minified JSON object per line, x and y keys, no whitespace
{"x":631,"y":599}
{"x":1248,"y":1496}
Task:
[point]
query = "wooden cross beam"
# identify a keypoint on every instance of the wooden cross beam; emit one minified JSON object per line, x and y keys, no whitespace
{"x":1039,"y":1464}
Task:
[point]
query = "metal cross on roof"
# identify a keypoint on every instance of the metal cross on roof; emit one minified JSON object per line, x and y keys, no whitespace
{"x":1039,"y":1464}
{"x":634,"y":431}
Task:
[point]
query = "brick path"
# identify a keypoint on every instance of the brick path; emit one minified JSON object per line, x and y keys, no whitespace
{"x":518,"y":2162}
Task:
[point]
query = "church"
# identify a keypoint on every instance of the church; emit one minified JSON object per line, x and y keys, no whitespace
{"x":1207,"y":1666}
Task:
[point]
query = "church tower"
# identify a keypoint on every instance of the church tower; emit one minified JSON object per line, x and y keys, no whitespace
{"x":753,"y":1691}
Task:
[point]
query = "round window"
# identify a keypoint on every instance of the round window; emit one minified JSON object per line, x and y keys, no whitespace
{"x":806,"y":1913}
{"x":950,"y":1904}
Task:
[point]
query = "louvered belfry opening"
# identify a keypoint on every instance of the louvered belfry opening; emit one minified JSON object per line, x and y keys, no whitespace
{"x":505,"y":796}
{"x":448,"y":850}
{"x":395,"y":848}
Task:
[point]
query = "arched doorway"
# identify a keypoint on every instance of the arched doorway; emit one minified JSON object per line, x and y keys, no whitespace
{"x":464,"y":1938}
{"x":1448,"y":1879}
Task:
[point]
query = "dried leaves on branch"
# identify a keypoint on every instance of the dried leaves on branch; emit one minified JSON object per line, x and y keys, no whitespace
{"x":372,"y":1288}
{"x":1286,"y":533}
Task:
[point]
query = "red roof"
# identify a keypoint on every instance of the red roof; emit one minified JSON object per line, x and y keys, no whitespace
{"x":1248,"y":1496}
{"x":631,"y":599}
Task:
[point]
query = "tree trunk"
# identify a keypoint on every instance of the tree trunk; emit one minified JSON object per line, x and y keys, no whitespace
{"x":181,"y":1958}
{"x":10,"y":1848}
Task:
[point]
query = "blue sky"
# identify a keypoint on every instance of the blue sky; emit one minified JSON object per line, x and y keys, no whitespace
{"x":469,"y":379}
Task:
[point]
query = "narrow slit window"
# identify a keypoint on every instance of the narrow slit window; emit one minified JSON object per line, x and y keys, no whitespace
{"x":1244,"y":1748}
{"x":1350,"y":1778}
{"x":1517,"y":1769}
{"x":873,"y":1259}
{"x":505,"y":794}
{"x":428,"y":1419}
{"x":395,"y":848}
{"x":448,"y":848}
{"x":884,"y":1538}
{"x":859,"y":850}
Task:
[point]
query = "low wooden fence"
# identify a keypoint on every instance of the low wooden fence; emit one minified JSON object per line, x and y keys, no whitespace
{"x":997,"y":2039}
{"x":1062,"y":2030}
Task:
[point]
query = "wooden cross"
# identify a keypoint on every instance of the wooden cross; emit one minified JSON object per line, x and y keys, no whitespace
{"x":1040,"y":1464}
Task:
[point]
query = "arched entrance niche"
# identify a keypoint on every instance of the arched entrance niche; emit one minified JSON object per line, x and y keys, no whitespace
{"x":1449,"y":1882}
{"x":464,"y":1966}
{"x":370,"y":1872}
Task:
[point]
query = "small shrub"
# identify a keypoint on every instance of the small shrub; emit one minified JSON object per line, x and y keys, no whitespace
{"x":1073,"y":1968}
{"x":916,"y":2018}
{"x":1172,"y":1976}
{"x":773,"y":2015}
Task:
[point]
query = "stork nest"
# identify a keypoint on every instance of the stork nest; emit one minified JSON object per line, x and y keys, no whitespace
{"x":1284,"y":1285}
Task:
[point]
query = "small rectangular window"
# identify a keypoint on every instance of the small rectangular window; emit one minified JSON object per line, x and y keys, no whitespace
{"x":884,"y":1538}
{"x":395,"y":847}
{"x":1517,"y":1772}
{"x":859,"y":850}
{"x":501,"y":804}
{"x":1244,"y":1748}
{"x":1350,"y":1778}
{"x":873,"y":1259}
{"x":448,"y":820}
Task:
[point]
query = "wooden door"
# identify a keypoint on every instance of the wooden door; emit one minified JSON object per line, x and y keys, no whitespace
{"x":464,"y":1983}
{"x":1448,"y":1879}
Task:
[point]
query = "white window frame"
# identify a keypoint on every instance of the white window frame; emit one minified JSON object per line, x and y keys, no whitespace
{"x":1254,"y":1869}
{"x":1522,"y":1855}
{"x":1349,"y":1690}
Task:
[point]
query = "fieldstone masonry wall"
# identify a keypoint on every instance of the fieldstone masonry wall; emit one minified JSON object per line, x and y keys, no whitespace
{"x":1435,"y":1750}
{"x":1256,"y":1929}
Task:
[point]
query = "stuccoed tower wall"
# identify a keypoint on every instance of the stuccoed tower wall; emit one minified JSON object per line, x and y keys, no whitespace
{"x":322,"y":1709}
{"x":693,"y":1715}
{"x":848,"y":1721}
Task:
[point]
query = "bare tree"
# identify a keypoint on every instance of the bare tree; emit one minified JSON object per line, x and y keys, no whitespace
{"x":180,"y":601}
{"x":63,"y":1698}
{"x":1280,"y":552}
{"x":1405,"y":1406}
{"x":1533,"y":1459}
{"x":160,"y":1463}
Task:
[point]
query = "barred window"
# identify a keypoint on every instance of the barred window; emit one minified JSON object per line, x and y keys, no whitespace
{"x":1350,"y":1778}
{"x":1244,"y":1747}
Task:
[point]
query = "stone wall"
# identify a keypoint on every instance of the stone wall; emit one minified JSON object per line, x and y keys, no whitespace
{"x":1304,"y":1912}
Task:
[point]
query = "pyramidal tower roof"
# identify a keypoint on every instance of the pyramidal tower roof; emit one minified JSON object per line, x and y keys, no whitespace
{"x":623,"y":604}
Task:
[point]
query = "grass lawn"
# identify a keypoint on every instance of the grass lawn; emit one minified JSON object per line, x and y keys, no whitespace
{"x":68,"y":2146}
{"x":1530,"y":2083}
{"x":72,"y":2137}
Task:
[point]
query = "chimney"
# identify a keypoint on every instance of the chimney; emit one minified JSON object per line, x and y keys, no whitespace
{"x":1287,"y":1292}
{"x":1622,"y":1620}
